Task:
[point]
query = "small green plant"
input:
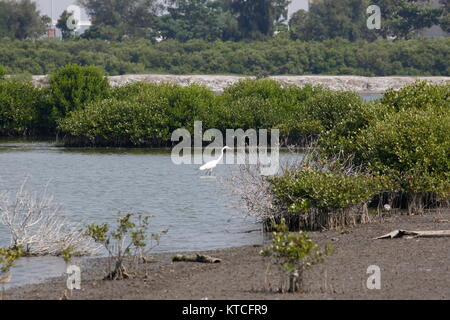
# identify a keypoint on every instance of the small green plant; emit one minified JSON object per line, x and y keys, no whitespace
{"x":293,"y":253}
{"x":7,"y":259}
{"x":129,"y":239}
{"x":68,"y":253}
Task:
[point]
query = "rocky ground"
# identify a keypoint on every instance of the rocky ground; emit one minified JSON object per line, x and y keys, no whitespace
{"x":410,"y":269}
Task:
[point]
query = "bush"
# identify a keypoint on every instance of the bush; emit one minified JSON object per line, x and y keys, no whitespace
{"x":180,"y":106}
{"x":329,"y":108}
{"x":322,"y":111}
{"x":419,"y":95}
{"x":294,"y":252}
{"x":117,"y":123}
{"x":412,"y":147}
{"x":405,"y":137}
{"x":314,"y":199}
{"x":73,"y":86}
{"x":23,"y":109}
{"x":261,"y":104}
{"x":341,"y":136}
{"x":129,"y":239}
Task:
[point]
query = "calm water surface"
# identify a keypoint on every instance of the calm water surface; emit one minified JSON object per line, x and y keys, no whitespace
{"x":94,"y":185}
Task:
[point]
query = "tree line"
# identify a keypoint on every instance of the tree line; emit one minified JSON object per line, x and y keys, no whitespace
{"x":229,"y":20}
{"x":258,"y":58}
{"x":236,"y":20}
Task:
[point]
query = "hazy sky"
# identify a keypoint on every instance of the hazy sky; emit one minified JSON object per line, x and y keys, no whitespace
{"x":60,"y":5}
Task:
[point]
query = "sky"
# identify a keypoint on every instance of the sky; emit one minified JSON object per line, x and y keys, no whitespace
{"x":60,"y":5}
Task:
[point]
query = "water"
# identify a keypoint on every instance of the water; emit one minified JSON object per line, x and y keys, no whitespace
{"x":369,"y":97}
{"x":94,"y":185}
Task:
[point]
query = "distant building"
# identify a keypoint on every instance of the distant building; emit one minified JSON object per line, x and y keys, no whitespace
{"x":51,"y":33}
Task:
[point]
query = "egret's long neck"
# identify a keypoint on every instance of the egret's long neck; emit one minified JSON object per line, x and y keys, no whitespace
{"x":221,"y":155}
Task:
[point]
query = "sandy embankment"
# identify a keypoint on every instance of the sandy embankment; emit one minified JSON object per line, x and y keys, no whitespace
{"x":410,"y":269}
{"x":218,"y":83}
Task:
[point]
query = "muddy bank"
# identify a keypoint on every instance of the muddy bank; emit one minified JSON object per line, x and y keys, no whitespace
{"x":218,"y":83}
{"x":410,"y":269}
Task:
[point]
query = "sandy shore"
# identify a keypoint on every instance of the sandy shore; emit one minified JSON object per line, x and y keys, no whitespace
{"x":218,"y":83}
{"x":410,"y":269}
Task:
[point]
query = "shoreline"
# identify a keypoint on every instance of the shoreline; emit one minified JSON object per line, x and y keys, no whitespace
{"x":218,"y":83}
{"x":410,"y":269}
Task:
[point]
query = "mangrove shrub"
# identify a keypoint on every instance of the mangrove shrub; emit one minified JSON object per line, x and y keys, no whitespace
{"x":179,"y":106}
{"x":314,"y":199}
{"x":73,"y":86}
{"x":23,"y":109}
{"x":274,"y":57}
{"x":412,"y":147}
{"x":294,"y":253}
{"x":116,"y":123}
{"x":129,"y":239}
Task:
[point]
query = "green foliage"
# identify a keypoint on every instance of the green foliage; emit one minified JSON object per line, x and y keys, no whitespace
{"x":303,"y":190}
{"x":21,"y":20}
{"x":179,"y":106}
{"x":412,"y":147}
{"x":73,"y":86}
{"x":419,"y":95}
{"x":328,"y":109}
{"x":128,"y":239}
{"x":294,"y":252}
{"x":405,"y":137}
{"x":2,"y":72}
{"x":257,"y":19}
{"x":197,"y":19}
{"x":62,"y":24}
{"x":346,"y":19}
{"x":259,"y":104}
{"x":275,"y":57}
{"x":444,"y":21}
{"x":404,"y":18}
{"x":68,"y":253}
{"x":23,"y":109}
{"x":143,"y":114}
{"x":121,"y":19}
{"x":341,"y":135}
{"x":329,"y":19}
{"x":117,"y":123}
{"x":7,"y":258}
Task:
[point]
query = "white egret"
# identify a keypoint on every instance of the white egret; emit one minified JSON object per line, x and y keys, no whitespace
{"x":212,"y":164}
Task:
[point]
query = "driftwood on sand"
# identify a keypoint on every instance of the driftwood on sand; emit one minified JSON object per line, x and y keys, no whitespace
{"x":415,"y":234}
{"x":195,"y":258}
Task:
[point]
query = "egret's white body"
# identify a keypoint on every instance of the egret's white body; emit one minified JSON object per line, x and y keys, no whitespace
{"x":212,"y":164}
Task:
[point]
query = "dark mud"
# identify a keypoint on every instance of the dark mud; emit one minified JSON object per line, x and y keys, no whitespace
{"x":410,"y":269}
